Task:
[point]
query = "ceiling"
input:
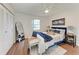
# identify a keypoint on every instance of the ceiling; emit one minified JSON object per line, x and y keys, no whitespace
{"x":37,"y":9}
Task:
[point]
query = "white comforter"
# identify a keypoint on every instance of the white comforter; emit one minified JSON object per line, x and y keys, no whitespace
{"x":42,"y":46}
{"x":56,"y":38}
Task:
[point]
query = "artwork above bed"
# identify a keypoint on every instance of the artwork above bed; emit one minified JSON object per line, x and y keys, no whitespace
{"x":60,"y":21}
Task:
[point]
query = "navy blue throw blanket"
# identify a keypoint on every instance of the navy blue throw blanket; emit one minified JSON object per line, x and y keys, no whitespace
{"x":45,"y":36}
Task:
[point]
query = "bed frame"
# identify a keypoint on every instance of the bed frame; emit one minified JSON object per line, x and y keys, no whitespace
{"x":63,"y":28}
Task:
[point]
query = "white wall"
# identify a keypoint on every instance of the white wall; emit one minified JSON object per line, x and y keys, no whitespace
{"x":26,"y":21}
{"x":71,"y":15}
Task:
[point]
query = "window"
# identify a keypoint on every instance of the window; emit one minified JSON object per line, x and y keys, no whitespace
{"x":36,"y":24}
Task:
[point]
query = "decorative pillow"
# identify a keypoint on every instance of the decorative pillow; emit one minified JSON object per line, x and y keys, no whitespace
{"x":56,"y":31}
{"x":51,"y":33}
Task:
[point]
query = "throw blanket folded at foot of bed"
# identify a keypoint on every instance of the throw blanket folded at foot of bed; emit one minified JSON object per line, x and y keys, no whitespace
{"x":46,"y":37}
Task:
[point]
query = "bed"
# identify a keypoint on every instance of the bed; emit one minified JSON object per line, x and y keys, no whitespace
{"x":57,"y":37}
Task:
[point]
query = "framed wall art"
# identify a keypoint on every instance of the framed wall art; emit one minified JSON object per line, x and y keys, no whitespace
{"x":60,"y":21}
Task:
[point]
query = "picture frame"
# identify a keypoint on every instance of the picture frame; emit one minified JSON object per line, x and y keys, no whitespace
{"x":60,"y":21}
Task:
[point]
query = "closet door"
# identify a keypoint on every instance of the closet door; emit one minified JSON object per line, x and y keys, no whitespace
{"x":11,"y":27}
{"x":1,"y":29}
{"x":6,"y":30}
{"x":1,"y":21}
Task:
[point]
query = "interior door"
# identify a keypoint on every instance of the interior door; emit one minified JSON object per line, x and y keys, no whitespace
{"x":8,"y":29}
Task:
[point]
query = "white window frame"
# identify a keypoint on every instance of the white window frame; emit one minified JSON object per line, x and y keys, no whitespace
{"x":36,"y":24}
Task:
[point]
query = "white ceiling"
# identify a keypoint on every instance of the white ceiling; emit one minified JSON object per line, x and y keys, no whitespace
{"x":37,"y":9}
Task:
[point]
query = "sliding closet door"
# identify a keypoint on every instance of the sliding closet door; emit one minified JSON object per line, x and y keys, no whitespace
{"x":6,"y":30}
{"x":1,"y":29}
{"x":11,"y":27}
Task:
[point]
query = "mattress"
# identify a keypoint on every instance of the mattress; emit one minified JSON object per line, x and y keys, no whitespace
{"x":56,"y":38}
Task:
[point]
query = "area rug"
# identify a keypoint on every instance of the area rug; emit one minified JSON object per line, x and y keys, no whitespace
{"x":54,"y":50}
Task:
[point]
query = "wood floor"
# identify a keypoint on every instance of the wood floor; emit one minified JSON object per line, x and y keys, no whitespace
{"x":22,"y":49}
{"x":70,"y":49}
{"x":19,"y":48}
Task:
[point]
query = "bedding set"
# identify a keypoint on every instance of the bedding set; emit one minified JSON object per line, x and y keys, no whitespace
{"x":47,"y":39}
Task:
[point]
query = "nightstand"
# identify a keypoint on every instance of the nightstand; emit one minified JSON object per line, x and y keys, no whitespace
{"x":71,"y":39}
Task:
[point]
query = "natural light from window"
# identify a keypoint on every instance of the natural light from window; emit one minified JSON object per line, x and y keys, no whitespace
{"x":36,"y":24}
